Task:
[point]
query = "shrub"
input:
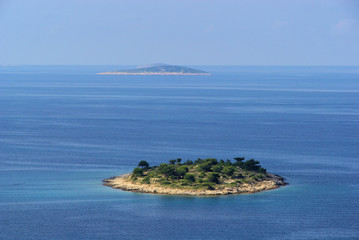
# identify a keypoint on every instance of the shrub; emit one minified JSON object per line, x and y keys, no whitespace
{"x":151,"y":174}
{"x":189,"y":162}
{"x":217,"y":168}
{"x":213,"y":177}
{"x":181,"y":171}
{"x":212,"y":161}
{"x":198,"y":161}
{"x":205,"y":166}
{"x":146,"y":180}
{"x":208,"y":186}
{"x":239,"y":175}
{"x":167,"y":170}
{"x":262,"y":170}
{"x":137,"y":172}
{"x":228,"y":170}
{"x":190,"y":177}
{"x":202,"y":174}
{"x":259,"y":176}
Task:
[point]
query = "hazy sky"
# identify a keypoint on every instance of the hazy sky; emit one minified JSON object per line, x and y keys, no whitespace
{"x":190,"y":32}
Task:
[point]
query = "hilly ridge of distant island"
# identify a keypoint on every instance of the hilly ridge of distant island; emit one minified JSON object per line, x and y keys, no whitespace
{"x":158,"y":69}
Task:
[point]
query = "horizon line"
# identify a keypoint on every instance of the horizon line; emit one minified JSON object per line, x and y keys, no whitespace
{"x":214,"y":65}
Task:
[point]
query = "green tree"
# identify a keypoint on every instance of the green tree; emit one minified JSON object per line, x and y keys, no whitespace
{"x":217,"y":168}
{"x":137,"y":172}
{"x":213,"y":161}
{"x":213,"y":177}
{"x":181,"y":171}
{"x":199,"y":161}
{"x":251,"y":165}
{"x":178,"y":160}
{"x":189,"y":162}
{"x":167,"y":170}
{"x":205,"y":166}
{"x":239,"y":159}
{"x":173,"y":161}
{"x":143,"y":164}
{"x":190,"y":177}
{"x":228,"y":170}
{"x":262,"y":170}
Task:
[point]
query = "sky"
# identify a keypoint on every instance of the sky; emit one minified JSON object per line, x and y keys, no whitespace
{"x":185,"y":32}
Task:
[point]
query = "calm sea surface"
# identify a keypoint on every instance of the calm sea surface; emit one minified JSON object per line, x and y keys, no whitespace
{"x":64,"y":129}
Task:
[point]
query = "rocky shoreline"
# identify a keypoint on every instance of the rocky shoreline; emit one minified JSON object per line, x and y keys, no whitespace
{"x":124,"y":182}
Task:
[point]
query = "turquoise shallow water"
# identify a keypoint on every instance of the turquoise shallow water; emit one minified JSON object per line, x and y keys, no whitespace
{"x":64,"y":129}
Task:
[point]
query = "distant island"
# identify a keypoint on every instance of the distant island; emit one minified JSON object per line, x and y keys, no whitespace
{"x":200,"y":177}
{"x":159,"y":69}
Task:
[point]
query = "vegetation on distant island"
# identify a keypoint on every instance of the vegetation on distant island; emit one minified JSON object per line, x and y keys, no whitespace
{"x":160,"y":69}
{"x":208,"y":174}
{"x":164,"y":68}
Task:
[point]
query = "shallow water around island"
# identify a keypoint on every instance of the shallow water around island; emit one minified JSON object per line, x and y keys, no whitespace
{"x":64,"y":129}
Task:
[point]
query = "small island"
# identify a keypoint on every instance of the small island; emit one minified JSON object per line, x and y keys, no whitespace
{"x":202,"y":177}
{"x":158,"y":69}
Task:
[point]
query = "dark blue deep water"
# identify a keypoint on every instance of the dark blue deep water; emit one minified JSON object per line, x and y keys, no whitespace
{"x":64,"y":129}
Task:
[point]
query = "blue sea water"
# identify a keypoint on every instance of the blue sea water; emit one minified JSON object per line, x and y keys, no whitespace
{"x":64,"y":129}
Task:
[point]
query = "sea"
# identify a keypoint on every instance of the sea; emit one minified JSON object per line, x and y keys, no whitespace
{"x":63,"y":129}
